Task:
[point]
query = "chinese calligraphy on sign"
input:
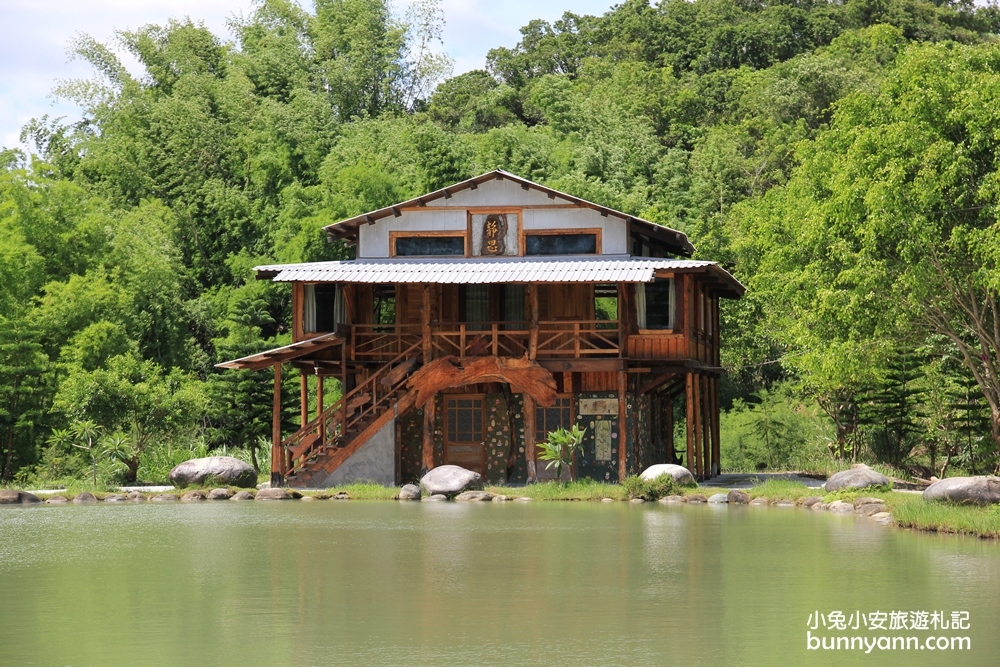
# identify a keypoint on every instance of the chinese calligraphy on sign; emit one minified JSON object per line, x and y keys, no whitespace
{"x":495,"y":234}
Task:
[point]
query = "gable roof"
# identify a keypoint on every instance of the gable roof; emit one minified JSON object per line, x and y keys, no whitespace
{"x":676,"y":241}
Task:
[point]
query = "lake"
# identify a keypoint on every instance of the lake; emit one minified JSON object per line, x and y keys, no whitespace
{"x":542,"y":583}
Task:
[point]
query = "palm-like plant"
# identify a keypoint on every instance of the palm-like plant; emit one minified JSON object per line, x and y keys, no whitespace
{"x":560,"y":447}
{"x":84,"y":434}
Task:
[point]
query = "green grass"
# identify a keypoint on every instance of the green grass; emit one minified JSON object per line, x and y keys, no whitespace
{"x":359,"y":491}
{"x":584,"y":489}
{"x":912,"y":511}
{"x":780,"y":489}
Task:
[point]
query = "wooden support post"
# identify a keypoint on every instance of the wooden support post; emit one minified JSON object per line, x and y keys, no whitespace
{"x":277,"y":455}
{"x":706,"y":427}
{"x":699,"y":423}
{"x":319,"y":409}
{"x":343,"y":390}
{"x":304,"y":398}
{"x":716,"y":437}
{"x":425,"y":323}
{"x":529,"y":436}
{"x":689,"y":420}
{"x":622,"y":426}
{"x":623,"y":322}
{"x":669,"y":427}
{"x":533,"y":313}
{"x":427,"y":448}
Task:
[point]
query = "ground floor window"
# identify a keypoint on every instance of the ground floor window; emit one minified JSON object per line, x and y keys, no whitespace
{"x":558,"y":415}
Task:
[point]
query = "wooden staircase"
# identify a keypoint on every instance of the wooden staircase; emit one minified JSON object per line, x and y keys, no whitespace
{"x":326,"y":442}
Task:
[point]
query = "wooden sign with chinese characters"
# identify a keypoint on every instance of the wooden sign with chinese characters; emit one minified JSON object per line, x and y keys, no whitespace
{"x":495,"y":234}
{"x":598,"y":406}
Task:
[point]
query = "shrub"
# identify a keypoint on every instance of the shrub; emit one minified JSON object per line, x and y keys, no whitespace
{"x":652,"y":489}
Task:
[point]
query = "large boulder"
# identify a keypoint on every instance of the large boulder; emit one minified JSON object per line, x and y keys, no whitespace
{"x":16,"y":497}
{"x":409,"y":492}
{"x":680,"y":474}
{"x":859,"y":476}
{"x":85,"y":498}
{"x":221,"y":470}
{"x":474,"y":496}
{"x":450,"y":481}
{"x":981,"y":490}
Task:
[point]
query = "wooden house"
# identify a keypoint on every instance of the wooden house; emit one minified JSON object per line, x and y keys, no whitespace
{"x":478,"y":318}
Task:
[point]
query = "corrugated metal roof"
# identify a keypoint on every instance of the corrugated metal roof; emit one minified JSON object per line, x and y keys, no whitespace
{"x":591,"y":269}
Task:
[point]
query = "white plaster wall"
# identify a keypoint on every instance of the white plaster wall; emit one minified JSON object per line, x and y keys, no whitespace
{"x":498,"y":193}
{"x":375,"y":238}
{"x":613,"y":230}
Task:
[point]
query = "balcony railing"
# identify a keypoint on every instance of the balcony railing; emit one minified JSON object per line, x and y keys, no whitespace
{"x":570,"y":339}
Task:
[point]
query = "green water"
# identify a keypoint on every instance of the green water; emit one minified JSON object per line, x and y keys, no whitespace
{"x":382,"y":583}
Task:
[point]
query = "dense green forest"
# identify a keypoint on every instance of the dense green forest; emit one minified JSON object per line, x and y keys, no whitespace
{"x":840,"y":158}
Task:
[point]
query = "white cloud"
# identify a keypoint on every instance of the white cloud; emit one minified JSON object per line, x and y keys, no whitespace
{"x":35,"y":36}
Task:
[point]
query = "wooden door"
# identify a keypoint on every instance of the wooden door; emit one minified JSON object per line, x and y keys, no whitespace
{"x":464,"y":441}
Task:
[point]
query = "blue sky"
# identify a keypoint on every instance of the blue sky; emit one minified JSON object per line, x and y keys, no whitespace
{"x":35,"y":34}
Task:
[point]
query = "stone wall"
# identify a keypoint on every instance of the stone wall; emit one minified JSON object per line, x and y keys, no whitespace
{"x":587,"y":464}
{"x":375,"y":461}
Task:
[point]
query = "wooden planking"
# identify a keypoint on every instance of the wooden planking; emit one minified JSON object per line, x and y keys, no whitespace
{"x":603,"y":381}
{"x":277,"y":453}
{"x":658,"y":346}
{"x":622,"y":389}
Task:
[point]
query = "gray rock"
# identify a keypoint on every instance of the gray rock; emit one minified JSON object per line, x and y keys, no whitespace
{"x":308,"y":498}
{"x":841,"y":507}
{"x":859,"y":476}
{"x":17,"y":497}
{"x":500,"y":499}
{"x":115,"y":498}
{"x":718,"y":499}
{"x":869,"y":509}
{"x":10,"y":497}
{"x":858,"y":502}
{"x":737,"y":497}
{"x":56,"y":500}
{"x":784,"y":502}
{"x":695,"y":498}
{"x":811,"y":500}
{"x":450,"y":481}
{"x":981,"y":490}
{"x":264,"y":485}
{"x":242,"y":495}
{"x":637,"y":501}
{"x":213,"y":469}
{"x":523,"y":499}
{"x":758,"y":502}
{"x":670,"y":500}
{"x":193,"y":497}
{"x":164,"y":498}
{"x":883,"y":518}
{"x":474,"y":496}
{"x":136,"y":497}
{"x":822,"y":507}
{"x":409,"y":492}
{"x":85,"y":498}
{"x":607,"y":500}
{"x":274,"y":494}
{"x":436,"y":498}
{"x":342,"y":495}
{"x":680,"y":474}
{"x":220,"y":494}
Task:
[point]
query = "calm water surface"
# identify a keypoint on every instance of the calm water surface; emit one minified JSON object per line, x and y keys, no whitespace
{"x":380,"y":583}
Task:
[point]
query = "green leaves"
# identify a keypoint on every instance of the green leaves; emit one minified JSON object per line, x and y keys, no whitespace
{"x":561,"y":447}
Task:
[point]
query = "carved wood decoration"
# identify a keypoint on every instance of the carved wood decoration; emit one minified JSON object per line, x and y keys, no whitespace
{"x":523,"y":376}
{"x":494,"y":234}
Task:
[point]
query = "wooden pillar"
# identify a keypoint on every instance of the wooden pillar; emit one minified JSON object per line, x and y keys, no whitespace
{"x":669,"y":427}
{"x":427,"y":448}
{"x":622,"y":424}
{"x":716,"y":437}
{"x":533,"y":314}
{"x":623,"y":320}
{"x":689,"y":420}
{"x":694,"y":427}
{"x":425,"y":323}
{"x":277,"y":455}
{"x":706,"y":427}
{"x":529,"y":436}
{"x":304,"y":398}
{"x":319,"y":408}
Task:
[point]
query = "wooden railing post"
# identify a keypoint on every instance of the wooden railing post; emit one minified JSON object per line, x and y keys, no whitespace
{"x":425,"y":324}
{"x":623,"y":307}
{"x":576,"y":340}
{"x":494,"y":330}
{"x":461,"y":341}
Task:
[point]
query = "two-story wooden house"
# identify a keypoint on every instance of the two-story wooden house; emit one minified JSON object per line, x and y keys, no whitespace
{"x":478,"y":318}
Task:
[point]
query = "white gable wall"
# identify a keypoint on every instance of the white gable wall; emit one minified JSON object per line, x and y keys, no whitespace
{"x":375,"y":238}
{"x":613,"y":230}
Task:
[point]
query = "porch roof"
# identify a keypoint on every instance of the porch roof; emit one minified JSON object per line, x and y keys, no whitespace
{"x":282,"y":354}
{"x":466,"y":271}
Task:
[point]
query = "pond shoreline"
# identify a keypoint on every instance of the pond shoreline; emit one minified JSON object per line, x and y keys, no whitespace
{"x":895,"y":508}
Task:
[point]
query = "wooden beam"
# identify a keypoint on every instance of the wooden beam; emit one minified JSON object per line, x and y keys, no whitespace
{"x":529,"y":436}
{"x":622,"y":430}
{"x":583,"y":365}
{"x":668,"y":403}
{"x":622,"y":321}
{"x":650,"y":386}
{"x":277,"y":455}
{"x":319,"y":394}
{"x":689,"y":421}
{"x":706,"y":427}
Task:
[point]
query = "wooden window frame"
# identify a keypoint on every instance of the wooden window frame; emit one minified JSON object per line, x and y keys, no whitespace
{"x":452,"y":233}
{"x":562,"y":231}
{"x":572,"y":412}
{"x":672,"y":331}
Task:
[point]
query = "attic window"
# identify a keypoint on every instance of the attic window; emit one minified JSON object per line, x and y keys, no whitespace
{"x":428,"y":244}
{"x":581,"y":242}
